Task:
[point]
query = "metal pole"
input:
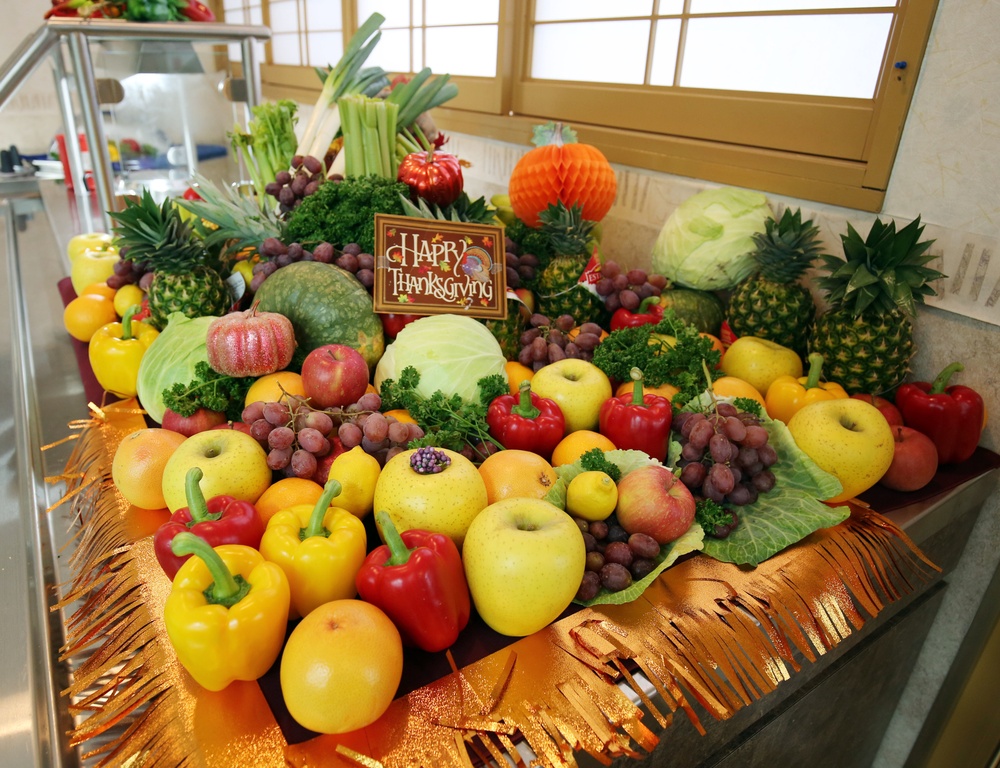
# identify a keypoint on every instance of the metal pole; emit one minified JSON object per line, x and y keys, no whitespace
{"x":83,"y":70}
{"x":71,"y":134}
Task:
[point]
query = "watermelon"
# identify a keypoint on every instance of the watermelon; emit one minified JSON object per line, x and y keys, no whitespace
{"x":327,"y":305}
{"x":702,"y":309}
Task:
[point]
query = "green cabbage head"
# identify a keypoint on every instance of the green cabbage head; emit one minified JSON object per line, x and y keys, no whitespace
{"x":171,"y":359}
{"x":707,"y":243}
{"x":450,"y":352}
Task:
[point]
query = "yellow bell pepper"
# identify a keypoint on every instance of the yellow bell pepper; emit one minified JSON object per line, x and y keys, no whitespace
{"x":227,"y":612}
{"x":116,"y":350}
{"x":788,"y":394}
{"x":319,"y":548}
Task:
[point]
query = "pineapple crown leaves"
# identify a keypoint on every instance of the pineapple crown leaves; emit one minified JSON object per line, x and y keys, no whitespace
{"x":787,"y":246}
{"x":463,"y":209}
{"x":884,"y":271}
{"x":158,"y":233}
{"x":237,"y":221}
{"x":566,"y":228}
{"x":553,"y":133}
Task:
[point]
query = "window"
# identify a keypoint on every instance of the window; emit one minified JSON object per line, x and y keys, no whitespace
{"x":805,"y":98}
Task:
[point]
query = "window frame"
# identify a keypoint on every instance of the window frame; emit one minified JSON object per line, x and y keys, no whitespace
{"x":828,"y":150}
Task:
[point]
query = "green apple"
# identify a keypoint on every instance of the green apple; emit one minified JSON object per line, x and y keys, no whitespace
{"x":503,"y":210}
{"x":760,"y":361}
{"x":233,"y":463}
{"x":524,"y":560}
{"x":578,"y":387}
{"x":848,"y":438}
{"x":87,"y":241}
{"x":94,"y":265}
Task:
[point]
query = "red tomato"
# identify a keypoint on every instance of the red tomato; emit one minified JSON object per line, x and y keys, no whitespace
{"x":393,"y":323}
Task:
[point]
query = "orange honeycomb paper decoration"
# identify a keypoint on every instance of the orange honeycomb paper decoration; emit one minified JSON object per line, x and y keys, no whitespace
{"x":561,"y":169}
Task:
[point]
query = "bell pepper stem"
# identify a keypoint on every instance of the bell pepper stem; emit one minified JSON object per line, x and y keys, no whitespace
{"x":399,"y":553}
{"x":942,"y":378}
{"x":637,"y":395}
{"x":646,"y":304}
{"x":226,"y":589}
{"x":127,"y":321}
{"x":331,"y":491}
{"x":815,"y":370}
{"x":195,"y":498}
{"x":524,"y":406}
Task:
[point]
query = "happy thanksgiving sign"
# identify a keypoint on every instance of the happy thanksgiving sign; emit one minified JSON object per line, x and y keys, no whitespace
{"x":430,"y":267}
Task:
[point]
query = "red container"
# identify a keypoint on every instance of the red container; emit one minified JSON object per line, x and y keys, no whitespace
{"x":64,"y":159}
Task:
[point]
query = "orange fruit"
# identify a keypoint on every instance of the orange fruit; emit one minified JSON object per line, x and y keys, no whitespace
{"x":87,"y":313}
{"x":516,"y":373}
{"x":270,"y":388}
{"x":730,"y":386}
{"x":401,"y":415}
{"x":514,"y":474}
{"x":287,"y":493}
{"x":575,"y":444}
{"x":341,"y":667}
{"x":137,"y":468}
{"x":664,"y":390}
{"x":101,"y":289}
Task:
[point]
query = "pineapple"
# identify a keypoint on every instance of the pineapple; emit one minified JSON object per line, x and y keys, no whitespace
{"x":229,"y":221}
{"x":772,"y":303}
{"x":866,"y":337}
{"x":559,"y":290}
{"x":184,"y":280}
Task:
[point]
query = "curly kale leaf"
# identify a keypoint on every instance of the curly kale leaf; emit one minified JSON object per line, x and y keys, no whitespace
{"x":342,"y":212}
{"x":210,"y":390}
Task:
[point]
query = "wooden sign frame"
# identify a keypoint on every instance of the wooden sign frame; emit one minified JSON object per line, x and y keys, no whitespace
{"x":433,"y":267}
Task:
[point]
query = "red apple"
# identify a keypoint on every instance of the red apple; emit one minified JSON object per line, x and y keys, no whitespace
{"x":652,"y":500}
{"x":239,"y":426}
{"x":198,"y":421}
{"x":914,"y":460}
{"x":334,"y":375}
{"x":322,"y":473}
{"x":888,"y":409}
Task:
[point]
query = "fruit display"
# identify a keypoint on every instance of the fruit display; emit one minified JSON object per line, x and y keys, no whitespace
{"x":399,"y":480}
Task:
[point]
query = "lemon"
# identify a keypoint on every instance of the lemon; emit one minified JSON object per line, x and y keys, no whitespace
{"x":592,"y":496}
{"x":126,"y":296}
{"x":357,"y":472}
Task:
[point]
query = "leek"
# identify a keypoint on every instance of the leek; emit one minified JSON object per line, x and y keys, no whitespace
{"x":346,"y":77}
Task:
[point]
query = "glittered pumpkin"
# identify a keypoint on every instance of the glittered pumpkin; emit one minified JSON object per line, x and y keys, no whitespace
{"x":561,"y":169}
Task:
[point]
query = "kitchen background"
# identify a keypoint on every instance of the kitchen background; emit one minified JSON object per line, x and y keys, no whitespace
{"x":947,"y":171}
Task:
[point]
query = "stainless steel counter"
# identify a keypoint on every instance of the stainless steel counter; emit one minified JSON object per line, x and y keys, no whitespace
{"x":42,"y":393}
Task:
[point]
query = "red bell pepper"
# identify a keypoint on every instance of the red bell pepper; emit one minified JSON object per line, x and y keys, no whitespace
{"x":951,"y":416}
{"x":220,"y":520}
{"x":637,"y":421}
{"x":197,"y":11}
{"x":649,"y":312}
{"x":527,"y":422}
{"x":417,"y":579}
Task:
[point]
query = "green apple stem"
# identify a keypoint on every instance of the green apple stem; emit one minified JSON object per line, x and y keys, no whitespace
{"x":195,"y":498}
{"x":942,"y":378}
{"x":815,"y":370}
{"x":331,"y":491}
{"x":399,"y":553}
{"x":637,"y":395}
{"x":524,"y":407}
{"x":225,"y":589}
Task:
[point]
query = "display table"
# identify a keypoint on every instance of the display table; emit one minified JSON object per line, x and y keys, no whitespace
{"x":802,"y":658}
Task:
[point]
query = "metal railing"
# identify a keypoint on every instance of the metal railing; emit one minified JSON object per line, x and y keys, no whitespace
{"x":49,"y":40}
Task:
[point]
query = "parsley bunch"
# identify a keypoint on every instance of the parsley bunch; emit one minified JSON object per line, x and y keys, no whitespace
{"x":660,"y":363}
{"x":594,"y":461}
{"x":211,"y":390}
{"x":448,"y":422}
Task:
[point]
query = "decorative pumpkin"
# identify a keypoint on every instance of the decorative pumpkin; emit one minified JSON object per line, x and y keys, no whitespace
{"x":434,"y":176}
{"x":561,"y":169}
{"x":250,"y":343}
